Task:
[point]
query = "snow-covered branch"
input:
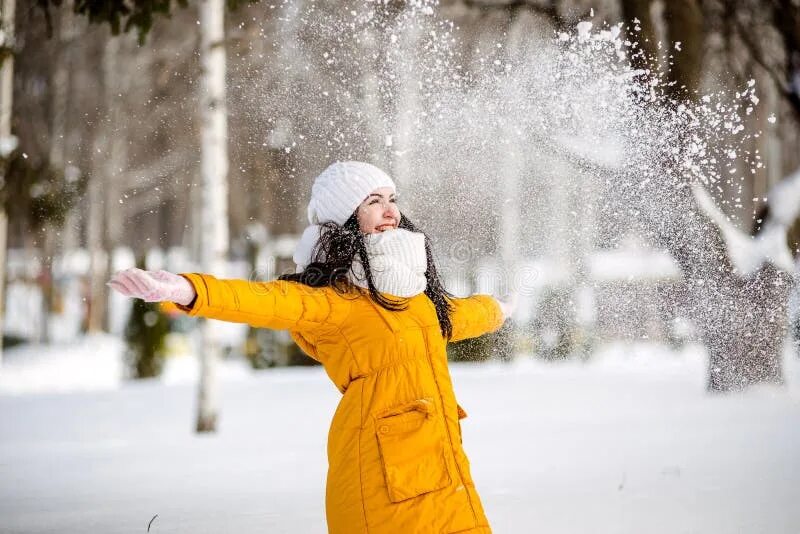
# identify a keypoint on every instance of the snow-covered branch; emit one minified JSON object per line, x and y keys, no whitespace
{"x":749,"y":253}
{"x":784,"y":201}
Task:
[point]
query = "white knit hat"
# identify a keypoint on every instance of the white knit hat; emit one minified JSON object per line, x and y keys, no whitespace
{"x":340,"y":188}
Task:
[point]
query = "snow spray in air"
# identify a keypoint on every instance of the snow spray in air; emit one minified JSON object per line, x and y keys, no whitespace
{"x":521,"y":155}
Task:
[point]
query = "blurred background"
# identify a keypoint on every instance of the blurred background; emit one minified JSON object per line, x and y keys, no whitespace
{"x":186,"y":135}
{"x":102,"y":166}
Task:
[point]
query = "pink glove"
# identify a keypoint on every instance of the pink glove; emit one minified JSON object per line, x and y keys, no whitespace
{"x":153,"y":286}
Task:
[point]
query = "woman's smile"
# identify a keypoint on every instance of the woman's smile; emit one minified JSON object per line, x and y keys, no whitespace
{"x":379,"y":212}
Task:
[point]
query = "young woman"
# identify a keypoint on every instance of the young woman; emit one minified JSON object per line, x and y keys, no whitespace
{"x":367,"y":302}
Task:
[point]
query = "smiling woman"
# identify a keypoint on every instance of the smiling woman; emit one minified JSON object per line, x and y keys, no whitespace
{"x":379,"y":211}
{"x":366,"y":301}
{"x":352,"y":206}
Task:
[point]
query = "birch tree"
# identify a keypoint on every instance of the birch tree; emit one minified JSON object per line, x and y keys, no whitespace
{"x":213,"y":224}
{"x":214,"y":190}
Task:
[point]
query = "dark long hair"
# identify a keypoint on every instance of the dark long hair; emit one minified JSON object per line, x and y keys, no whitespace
{"x":332,"y":258}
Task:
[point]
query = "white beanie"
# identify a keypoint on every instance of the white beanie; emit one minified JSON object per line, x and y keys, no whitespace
{"x":341,"y":188}
{"x":335,"y":195}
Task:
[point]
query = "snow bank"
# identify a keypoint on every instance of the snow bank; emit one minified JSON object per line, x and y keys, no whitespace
{"x":630,"y":443}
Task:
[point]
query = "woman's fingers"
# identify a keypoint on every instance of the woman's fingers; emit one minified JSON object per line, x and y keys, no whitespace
{"x":122,"y":282}
{"x":118,"y":286}
{"x":133,"y":281}
{"x":153,"y":286}
{"x":141,"y":285}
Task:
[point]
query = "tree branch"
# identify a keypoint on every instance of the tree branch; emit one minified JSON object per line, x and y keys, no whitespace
{"x":758,"y":56}
{"x":549,"y":11}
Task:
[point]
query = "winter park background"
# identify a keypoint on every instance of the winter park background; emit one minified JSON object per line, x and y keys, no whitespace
{"x":630,"y":167}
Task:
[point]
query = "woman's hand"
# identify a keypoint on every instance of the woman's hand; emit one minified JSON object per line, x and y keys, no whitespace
{"x":508,"y":304}
{"x":153,"y":286}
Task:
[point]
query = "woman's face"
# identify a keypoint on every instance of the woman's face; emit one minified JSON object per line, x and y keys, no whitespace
{"x":378,"y":212}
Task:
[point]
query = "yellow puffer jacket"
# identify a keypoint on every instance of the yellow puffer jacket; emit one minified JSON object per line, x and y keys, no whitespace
{"x":395,"y":461}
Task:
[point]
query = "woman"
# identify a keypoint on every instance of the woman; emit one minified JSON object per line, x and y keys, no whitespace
{"x":367,"y":302}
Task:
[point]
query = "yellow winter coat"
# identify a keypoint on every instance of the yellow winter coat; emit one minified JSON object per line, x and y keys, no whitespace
{"x":395,"y":461}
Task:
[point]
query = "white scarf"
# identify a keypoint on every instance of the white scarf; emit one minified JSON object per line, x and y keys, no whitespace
{"x":397,"y":260}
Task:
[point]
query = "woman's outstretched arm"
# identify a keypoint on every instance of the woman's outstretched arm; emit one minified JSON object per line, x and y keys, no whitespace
{"x":476,"y":315}
{"x":277,"y":304}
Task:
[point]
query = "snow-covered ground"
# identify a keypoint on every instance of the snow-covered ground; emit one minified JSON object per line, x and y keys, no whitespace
{"x":629,"y":443}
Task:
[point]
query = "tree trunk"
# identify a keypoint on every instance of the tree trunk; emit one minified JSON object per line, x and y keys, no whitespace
{"x":103,"y":175}
{"x":373,"y":104}
{"x":214,"y":192}
{"x":98,"y":273}
{"x":684,"y":21}
{"x":741,"y":318}
{"x":511,"y":171}
{"x":646,"y":35}
{"x":6,"y":94}
{"x":746,"y":343}
{"x":786,"y":16}
{"x":110,"y":160}
{"x":59,"y":90}
{"x":401,"y":150}
{"x":47,"y":248}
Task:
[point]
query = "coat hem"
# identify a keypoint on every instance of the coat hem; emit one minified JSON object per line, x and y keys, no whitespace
{"x":482,"y":529}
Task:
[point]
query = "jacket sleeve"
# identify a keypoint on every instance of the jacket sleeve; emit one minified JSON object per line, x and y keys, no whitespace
{"x":474,"y":316}
{"x":279,"y":304}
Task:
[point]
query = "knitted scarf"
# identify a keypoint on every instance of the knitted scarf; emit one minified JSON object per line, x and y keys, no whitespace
{"x":397,"y":260}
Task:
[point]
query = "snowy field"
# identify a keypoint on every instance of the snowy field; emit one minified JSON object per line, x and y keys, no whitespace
{"x":630,"y":443}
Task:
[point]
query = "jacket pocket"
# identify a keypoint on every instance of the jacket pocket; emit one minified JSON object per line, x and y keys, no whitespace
{"x":412,"y":450}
